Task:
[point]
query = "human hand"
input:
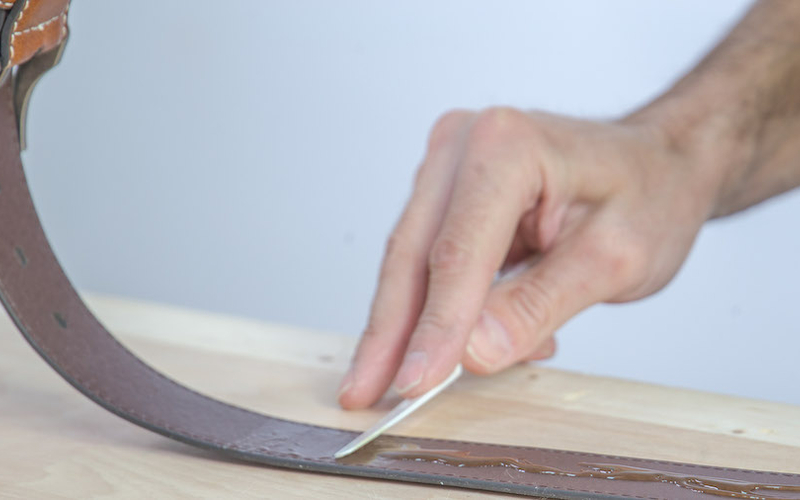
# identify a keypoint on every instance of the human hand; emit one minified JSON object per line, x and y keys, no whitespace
{"x":585,"y":211}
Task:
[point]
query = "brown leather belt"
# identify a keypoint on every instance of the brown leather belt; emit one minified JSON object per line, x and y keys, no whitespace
{"x":50,"y":314}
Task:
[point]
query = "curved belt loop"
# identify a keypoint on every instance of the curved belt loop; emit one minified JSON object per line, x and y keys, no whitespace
{"x":32,"y":39}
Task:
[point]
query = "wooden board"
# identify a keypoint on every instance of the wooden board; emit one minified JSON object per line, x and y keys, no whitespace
{"x":57,"y":444}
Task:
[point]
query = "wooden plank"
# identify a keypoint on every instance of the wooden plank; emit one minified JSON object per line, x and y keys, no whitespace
{"x":58,"y":444}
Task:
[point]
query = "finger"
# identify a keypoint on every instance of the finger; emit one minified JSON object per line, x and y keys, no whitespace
{"x":521,"y":314}
{"x":402,"y":282}
{"x":478,"y":227}
{"x":545,"y":350}
{"x":517,"y":253}
{"x":535,"y":233}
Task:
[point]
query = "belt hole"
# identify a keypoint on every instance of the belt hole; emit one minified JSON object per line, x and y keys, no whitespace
{"x":60,"y":319}
{"x":23,"y":260}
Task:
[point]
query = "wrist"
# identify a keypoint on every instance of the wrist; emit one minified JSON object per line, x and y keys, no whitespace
{"x":699,"y":130}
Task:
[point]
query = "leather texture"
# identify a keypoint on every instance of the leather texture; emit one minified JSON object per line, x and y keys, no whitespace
{"x":38,"y":25}
{"x":43,"y":304}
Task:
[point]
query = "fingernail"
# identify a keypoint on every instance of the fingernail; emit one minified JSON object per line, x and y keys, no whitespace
{"x":410,"y":374}
{"x":489,"y":342}
{"x":347,"y":383}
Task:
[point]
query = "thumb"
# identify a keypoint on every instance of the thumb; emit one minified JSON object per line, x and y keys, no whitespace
{"x":521,"y":314}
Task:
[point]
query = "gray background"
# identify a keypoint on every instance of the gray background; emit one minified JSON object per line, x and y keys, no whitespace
{"x":251,"y":157}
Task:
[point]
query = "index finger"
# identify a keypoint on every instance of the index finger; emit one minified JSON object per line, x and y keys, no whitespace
{"x":491,"y":192}
{"x":403,"y":278}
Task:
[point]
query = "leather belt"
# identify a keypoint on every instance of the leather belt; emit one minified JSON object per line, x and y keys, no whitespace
{"x":41,"y":301}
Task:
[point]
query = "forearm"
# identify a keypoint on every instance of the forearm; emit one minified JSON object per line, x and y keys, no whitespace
{"x":736,"y":116}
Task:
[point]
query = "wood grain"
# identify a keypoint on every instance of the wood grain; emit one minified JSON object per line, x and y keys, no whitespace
{"x":57,"y":444}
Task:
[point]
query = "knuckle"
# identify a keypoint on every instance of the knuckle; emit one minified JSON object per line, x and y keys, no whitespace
{"x":433,"y":321}
{"x":446,"y":126}
{"x":497,"y":123}
{"x":449,"y":255}
{"x":631,"y":262}
{"x":625,"y":257}
{"x":532,"y":304}
{"x":371,"y":331}
{"x":437,"y":328}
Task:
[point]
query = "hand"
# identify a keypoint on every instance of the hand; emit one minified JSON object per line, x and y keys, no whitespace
{"x":586,"y":211}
